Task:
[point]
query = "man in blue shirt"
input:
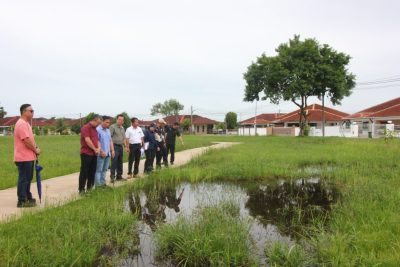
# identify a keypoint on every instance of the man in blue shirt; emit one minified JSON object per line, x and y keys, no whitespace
{"x":106,"y":151}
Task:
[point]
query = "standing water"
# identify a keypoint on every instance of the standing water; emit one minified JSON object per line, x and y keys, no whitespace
{"x":275,"y":211}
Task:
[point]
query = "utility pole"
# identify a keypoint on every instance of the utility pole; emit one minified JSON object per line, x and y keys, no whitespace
{"x":191,"y":119}
{"x":255,"y":120}
{"x":80,"y":119}
{"x":323,"y":114}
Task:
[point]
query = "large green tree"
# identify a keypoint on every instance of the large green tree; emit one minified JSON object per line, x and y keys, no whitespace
{"x":3,"y":113}
{"x":168,"y":108}
{"x":231,"y":120}
{"x":299,"y":70}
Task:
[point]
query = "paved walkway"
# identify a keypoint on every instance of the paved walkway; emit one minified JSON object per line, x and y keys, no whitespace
{"x":59,"y":190}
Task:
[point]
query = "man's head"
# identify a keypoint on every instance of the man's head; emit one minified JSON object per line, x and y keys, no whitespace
{"x":96,"y":121}
{"x":26,"y":111}
{"x":176,"y":125}
{"x":152,"y":127}
{"x":135,"y":122}
{"x":120,"y":120}
{"x":106,"y":122}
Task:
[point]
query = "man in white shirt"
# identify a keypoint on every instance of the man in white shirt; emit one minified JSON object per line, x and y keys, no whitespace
{"x":133,"y":143}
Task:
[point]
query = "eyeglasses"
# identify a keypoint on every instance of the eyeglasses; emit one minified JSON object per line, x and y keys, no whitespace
{"x":30,"y":110}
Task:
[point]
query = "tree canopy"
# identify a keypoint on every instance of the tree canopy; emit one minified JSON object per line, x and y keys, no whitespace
{"x":3,"y":113}
{"x":299,"y":70}
{"x":168,"y":108}
{"x":231,"y":120}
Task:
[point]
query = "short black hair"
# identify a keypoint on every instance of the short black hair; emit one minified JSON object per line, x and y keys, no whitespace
{"x":120,"y":115}
{"x":96,"y":116}
{"x":134,"y":119}
{"x":24,"y":107}
{"x":107,"y":118}
{"x":176,"y":123}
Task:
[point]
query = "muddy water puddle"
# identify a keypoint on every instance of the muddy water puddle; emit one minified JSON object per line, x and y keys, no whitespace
{"x":276,"y":211}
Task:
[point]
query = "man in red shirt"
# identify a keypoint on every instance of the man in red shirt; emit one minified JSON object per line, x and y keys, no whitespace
{"x":90,"y":149}
{"x":25,"y":154}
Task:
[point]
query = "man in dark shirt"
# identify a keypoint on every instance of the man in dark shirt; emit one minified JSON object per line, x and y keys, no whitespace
{"x":150,"y":148}
{"x":90,"y":149}
{"x":171,"y":134}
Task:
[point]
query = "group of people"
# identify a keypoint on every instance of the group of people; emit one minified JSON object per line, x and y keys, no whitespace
{"x":101,"y":143}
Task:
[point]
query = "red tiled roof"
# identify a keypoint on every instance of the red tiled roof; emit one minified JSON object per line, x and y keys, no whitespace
{"x":9,"y":121}
{"x":265,"y":118}
{"x":389,"y":108}
{"x":314,"y":114}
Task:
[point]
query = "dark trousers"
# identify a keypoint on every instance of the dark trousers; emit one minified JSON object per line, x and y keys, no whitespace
{"x":116,"y":162}
{"x":25,"y":176}
{"x":134,"y":156}
{"x":148,"y":164}
{"x":162,"y":154}
{"x":88,"y":171}
{"x":171,"y":150}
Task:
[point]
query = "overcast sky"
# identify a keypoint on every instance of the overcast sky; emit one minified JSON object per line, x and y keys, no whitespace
{"x":71,"y":57}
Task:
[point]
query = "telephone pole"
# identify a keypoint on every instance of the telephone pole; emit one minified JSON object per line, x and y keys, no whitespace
{"x":255,"y":120}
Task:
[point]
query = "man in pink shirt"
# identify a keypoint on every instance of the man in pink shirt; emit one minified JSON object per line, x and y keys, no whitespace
{"x":25,"y":154}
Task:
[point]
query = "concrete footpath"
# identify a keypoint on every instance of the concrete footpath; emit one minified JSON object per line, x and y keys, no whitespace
{"x":59,"y":190}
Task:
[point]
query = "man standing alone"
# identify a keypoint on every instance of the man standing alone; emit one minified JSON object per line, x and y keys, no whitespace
{"x":90,"y":149}
{"x":134,"y":142}
{"x":118,"y":137}
{"x":171,"y":134}
{"x":106,"y":151}
{"x":25,"y":154}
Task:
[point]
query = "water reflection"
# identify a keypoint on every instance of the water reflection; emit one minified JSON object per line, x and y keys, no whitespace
{"x":275,"y":210}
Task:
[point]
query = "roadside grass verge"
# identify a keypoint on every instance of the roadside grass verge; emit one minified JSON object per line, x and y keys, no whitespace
{"x":71,"y":235}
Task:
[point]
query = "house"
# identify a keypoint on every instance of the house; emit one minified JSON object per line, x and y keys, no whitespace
{"x":315,"y":115}
{"x":201,"y":125}
{"x":374,"y":120}
{"x":246,"y":127}
{"x":40,"y":126}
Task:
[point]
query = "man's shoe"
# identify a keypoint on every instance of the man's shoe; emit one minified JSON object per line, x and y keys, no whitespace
{"x":172,"y":163}
{"x":31,"y":200}
{"x":25,"y":204}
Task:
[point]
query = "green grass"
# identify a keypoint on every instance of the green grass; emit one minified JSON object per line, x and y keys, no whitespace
{"x":214,"y":237}
{"x":60,"y":156}
{"x":70,"y":236}
{"x":363,"y":230}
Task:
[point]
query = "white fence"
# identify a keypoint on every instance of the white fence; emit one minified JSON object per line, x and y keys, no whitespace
{"x":252,"y":132}
{"x":337,"y":130}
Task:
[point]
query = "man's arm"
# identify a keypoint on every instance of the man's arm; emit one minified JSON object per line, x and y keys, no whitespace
{"x":112,"y":149}
{"x":91,"y":145}
{"x":181,"y":139}
{"x":29,"y":144}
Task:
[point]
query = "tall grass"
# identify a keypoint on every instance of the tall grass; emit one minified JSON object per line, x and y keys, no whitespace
{"x":363,"y":229}
{"x":216,"y":236}
{"x":72,"y":235}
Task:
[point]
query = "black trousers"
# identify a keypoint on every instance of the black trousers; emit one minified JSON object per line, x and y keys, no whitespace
{"x":171,"y":150}
{"x":148,"y":164}
{"x":134,"y":156}
{"x":25,"y":176}
{"x":162,"y":154}
{"x":88,"y":171}
{"x":117,"y":161}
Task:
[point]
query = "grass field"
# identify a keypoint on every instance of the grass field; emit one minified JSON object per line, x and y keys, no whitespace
{"x":363,"y":230}
{"x":60,"y":156}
